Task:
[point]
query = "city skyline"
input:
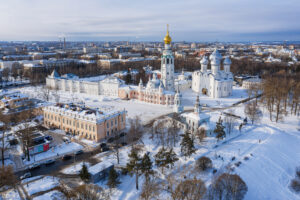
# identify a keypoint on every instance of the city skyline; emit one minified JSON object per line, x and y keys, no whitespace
{"x":143,"y":21}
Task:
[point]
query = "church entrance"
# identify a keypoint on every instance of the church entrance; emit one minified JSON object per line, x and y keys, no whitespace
{"x":204,"y":91}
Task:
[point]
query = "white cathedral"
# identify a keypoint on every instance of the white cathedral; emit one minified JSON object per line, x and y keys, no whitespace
{"x":215,"y":83}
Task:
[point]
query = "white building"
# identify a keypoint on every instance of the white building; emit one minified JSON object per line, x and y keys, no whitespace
{"x":167,"y":65}
{"x":215,"y":83}
{"x":195,"y":119}
{"x":101,"y":85}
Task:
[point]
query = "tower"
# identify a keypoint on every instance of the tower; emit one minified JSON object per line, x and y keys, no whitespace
{"x":204,"y":63}
{"x":197,"y":107}
{"x":227,"y":63}
{"x":215,"y":60}
{"x":167,"y":64}
{"x":178,"y":108}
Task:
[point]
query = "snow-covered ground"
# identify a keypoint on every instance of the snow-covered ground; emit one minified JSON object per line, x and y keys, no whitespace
{"x":46,"y":183}
{"x":268,"y":152}
{"x":74,"y":169}
{"x":11,"y":194}
{"x":134,"y":108}
{"x":52,"y":195}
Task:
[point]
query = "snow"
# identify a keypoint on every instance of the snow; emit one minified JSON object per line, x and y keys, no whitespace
{"x":30,"y":179}
{"x":43,"y":184}
{"x":99,"y":167}
{"x":52,"y":195}
{"x":74,"y":169}
{"x":11,"y":195}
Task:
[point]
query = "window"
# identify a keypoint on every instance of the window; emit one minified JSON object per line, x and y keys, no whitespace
{"x":122,"y":118}
{"x":86,"y":127}
{"x":116,"y":121}
{"x":167,"y":60}
{"x":107,"y":133}
{"x":112,"y":122}
{"x":55,"y":118}
{"x":63,"y":120}
{"x":90,"y":127}
{"x":107,"y":125}
{"x":93,"y":128}
{"x":171,"y":61}
{"x":81,"y":125}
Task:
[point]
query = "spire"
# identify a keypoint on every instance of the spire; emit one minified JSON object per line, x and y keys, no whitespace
{"x":141,"y":82}
{"x":197,"y":107}
{"x":167,"y":38}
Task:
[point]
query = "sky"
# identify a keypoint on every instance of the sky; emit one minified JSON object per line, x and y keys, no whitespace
{"x":145,"y":20}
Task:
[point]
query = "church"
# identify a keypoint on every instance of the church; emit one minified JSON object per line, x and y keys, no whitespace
{"x":214,"y":83}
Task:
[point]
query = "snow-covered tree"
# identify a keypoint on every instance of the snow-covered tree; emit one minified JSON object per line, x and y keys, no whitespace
{"x":187,"y":145}
{"x":219,"y":130}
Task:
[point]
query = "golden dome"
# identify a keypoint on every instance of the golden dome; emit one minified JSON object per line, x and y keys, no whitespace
{"x":167,"y":38}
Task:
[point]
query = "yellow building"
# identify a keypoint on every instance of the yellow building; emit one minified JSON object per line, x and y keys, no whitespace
{"x":88,"y":123}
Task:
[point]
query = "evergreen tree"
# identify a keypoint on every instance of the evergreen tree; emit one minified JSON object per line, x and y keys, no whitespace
{"x":187,"y":145}
{"x":113,"y":178}
{"x":160,"y":158}
{"x":84,"y":173}
{"x":171,"y":157}
{"x":146,"y":166}
{"x":165,"y":158}
{"x":134,"y":165}
{"x":219,"y":130}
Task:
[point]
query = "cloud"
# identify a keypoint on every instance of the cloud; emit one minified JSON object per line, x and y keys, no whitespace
{"x":116,"y":19}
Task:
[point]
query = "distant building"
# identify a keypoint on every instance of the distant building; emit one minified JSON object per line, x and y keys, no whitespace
{"x":248,"y":83}
{"x":101,"y":85}
{"x":14,"y":100}
{"x":92,"y":124}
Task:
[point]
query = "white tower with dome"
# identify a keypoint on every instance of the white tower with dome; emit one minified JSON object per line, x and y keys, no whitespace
{"x":167,"y":64}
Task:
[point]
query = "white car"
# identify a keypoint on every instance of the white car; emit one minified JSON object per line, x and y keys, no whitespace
{"x":26,"y":175}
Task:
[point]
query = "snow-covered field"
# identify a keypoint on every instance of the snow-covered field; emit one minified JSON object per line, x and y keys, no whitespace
{"x":272,"y":151}
{"x":52,"y":195}
{"x":137,"y":108}
{"x":46,"y":183}
{"x":11,"y":194}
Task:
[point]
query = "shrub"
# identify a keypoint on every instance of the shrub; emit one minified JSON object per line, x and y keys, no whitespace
{"x":204,"y":163}
{"x":246,"y":158}
{"x":295,"y":184}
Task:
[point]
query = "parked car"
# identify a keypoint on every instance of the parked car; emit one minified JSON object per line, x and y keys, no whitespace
{"x":110,"y":140}
{"x":49,"y":137}
{"x":122,"y":134}
{"x":66,"y":157}
{"x":49,"y":162}
{"x":66,"y":139}
{"x":123,"y":143}
{"x":26,"y":175}
{"x":78,"y":152}
{"x":104,"y":149}
{"x":103,"y":145}
{"x":35,"y":166}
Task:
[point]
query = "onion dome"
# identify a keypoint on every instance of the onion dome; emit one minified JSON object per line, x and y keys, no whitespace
{"x":204,"y":61}
{"x":215,"y":57}
{"x":167,"y":38}
{"x":227,"y":61}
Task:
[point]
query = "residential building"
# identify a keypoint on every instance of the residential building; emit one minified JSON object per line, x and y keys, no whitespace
{"x":89,"y":123}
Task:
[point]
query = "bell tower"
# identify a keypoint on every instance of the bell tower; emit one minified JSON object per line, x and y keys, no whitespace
{"x":167,"y":64}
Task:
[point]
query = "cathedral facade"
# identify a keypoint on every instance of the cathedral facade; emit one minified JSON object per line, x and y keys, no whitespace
{"x":215,"y":83}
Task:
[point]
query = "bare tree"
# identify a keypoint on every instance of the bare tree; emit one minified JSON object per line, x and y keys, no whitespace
{"x":193,"y":189}
{"x":45,"y":93}
{"x":7,"y":176}
{"x":229,"y":121}
{"x":90,"y":192}
{"x":150,"y":190}
{"x":136,"y":129}
{"x":228,"y":187}
{"x":253,"y":112}
{"x":204,"y":163}
{"x":5,"y":119}
{"x":200,"y":134}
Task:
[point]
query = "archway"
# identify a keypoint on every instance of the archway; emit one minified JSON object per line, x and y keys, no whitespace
{"x":204,"y":91}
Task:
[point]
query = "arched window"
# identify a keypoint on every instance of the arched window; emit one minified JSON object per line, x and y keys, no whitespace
{"x":167,"y":60}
